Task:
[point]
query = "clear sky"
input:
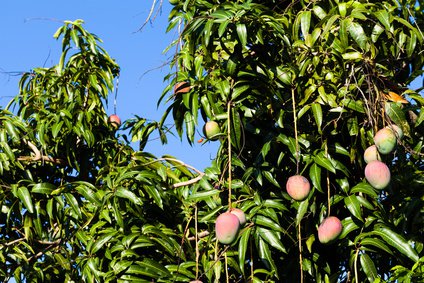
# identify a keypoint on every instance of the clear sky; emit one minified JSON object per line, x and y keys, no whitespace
{"x":27,"y":29}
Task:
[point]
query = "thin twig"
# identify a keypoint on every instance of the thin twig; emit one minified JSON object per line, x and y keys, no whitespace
{"x":356,"y":266}
{"x":300,"y":252}
{"x":184,"y":183}
{"x":149,"y":17}
{"x":328,"y":183}
{"x":197,"y":241}
{"x":229,"y":154}
{"x":295,"y":132}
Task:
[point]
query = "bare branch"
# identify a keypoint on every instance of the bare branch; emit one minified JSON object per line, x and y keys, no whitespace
{"x":39,"y":157}
{"x":184,"y":183}
{"x":151,"y":17}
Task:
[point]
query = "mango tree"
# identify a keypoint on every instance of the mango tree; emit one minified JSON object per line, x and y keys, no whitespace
{"x":297,"y":89}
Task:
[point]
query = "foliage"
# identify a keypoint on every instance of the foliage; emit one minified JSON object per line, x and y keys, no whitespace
{"x":301,"y":88}
{"x":297,"y":88}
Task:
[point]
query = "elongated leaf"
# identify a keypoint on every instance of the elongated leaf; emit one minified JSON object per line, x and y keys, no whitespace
{"x":267,"y":222}
{"x":43,"y":188}
{"x":126,"y":193}
{"x":154,"y":193}
{"x":72,"y":201}
{"x":301,"y":210}
{"x":364,"y":188}
{"x":202,"y":195}
{"x":101,"y":241}
{"x":376,"y":243}
{"x":305,"y":22}
{"x":396,"y":114}
{"x":348,"y":226}
{"x":368,"y":267}
{"x":358,"y":34}
{"x":266,"y":255}
{"x":354,"y":206}
{"x":271,"y":238}
{"x":319,"y":12}
{"x":155,"y":267}
{"x":324,"y":162}
{"x":398,"y":242}
{"x":236,"y":129}
{"x":24,"y":195}
{"x":242,"y":248}
{"x":384,"y":17}
{"x":356,"y":105}
{"x":317,"y":111}
{"x":88,"y":193}
{"x":242,"y":33}
{"x":268,"y":175}
{"x":315,"y":176}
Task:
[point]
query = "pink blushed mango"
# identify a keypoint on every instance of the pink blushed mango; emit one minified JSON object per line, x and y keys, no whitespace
{"x":227,"y":226}
{"x":371,"y":154}
{"x":240,"y":214}
{"x":377,"y":174}
{"x":298,"y":187}
{"x":329,"y":229}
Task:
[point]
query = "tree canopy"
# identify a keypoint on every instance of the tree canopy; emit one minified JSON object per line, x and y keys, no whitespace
{"x":295,"y":88}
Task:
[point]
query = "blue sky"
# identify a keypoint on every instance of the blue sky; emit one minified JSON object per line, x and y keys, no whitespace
{"x":27,"y":29}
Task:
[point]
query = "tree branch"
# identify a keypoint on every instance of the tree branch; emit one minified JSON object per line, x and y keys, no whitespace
{"x":39,"y":157}
{"x":184,"y":183}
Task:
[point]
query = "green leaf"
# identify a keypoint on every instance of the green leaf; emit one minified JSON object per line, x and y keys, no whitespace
{"x":384,"y":17}
{"x":190,"y":126}
{"x":358,"y":34}
{"x":269,"y":176}
{"x":319,"y":12}
{"x":396,"y":114}
{"x":101,"y":241}
{"x":354,"y":206}
{"x":266,"y":255}
{"x":236,"y":129}
{"x":43,"y":188}
{"x":356,"y":105}
{"x":242,"y":33}
{"x":267,"y":222}
{"x":368,"y":267}
{"x":11,"y":130}
{"x":305,"y":22}
{"x":375,"y":243}
{"x":330,"y":24}
{"x":317,"y":111}
{"x":154,"y":267}
{"x":315,"y":176}
{"x":364,"y":188}
{"x":125,"y":193}
{"x":202,"y":195}
{"x":24,"y":195}
{"x":397,"y":241}
{"x":72,"y":201}
{"x":154,"y":193}
{"x":242,"y":248}
{"x":376,"y":32}
{"x":88,"y":194}
{"x":348,"y":226}
{"x":271,"y":238}
{"x":301,"y":210}
{"x":324,"y":162}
